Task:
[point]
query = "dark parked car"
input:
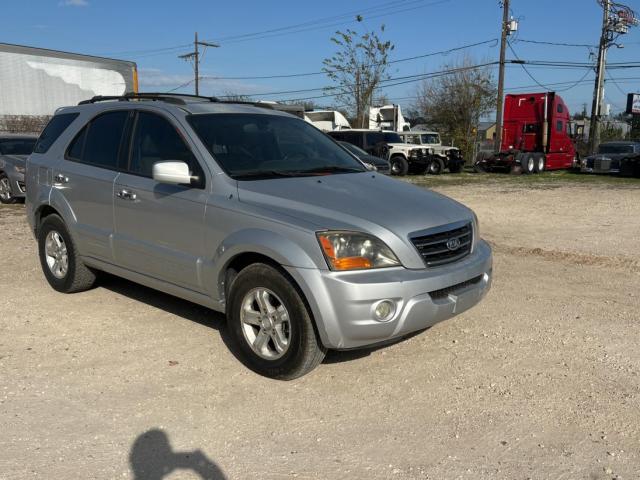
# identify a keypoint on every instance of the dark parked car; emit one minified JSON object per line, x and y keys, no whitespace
{"x":14,"y":150}
{"x":380,"y":164}
{"x":610,"y":157}
{"x":403,"y":158}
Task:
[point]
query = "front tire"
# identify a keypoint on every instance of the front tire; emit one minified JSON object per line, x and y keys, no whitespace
{"x":271,"y":324}
{"x":6,"y":195}
{"x":436,"y":167}
{"x":59,"y":258}
{"x":399,"y":166}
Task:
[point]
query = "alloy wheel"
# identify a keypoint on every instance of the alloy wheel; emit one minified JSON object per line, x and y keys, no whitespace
{"x":265,"y":323}
{"x":5,"y":189}
{"x":56,"y":254}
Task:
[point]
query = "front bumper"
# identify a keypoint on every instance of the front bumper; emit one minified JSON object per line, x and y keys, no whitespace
{"x":16,"y":180}
{"x":343,"y":302}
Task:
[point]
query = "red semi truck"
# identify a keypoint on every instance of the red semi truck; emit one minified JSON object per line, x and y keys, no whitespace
{"x":536,"y":136}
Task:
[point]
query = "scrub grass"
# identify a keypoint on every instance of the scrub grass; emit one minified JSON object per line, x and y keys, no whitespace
{"x":554,"y":179}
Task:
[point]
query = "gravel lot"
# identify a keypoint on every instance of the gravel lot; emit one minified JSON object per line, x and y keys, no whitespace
{"x":539,"y":381}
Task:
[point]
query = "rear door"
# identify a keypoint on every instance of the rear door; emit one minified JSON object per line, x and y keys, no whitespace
{"x":85,"y":179}
{"x":159,"y":228}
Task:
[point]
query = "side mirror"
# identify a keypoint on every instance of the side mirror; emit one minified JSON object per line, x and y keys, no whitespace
{"x":172,"y":172}
{"x":370,"y":167}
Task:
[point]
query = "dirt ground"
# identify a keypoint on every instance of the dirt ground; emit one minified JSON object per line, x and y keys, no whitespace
{"x":539,"y":381}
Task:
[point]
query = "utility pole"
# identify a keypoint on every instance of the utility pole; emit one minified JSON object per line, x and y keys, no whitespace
{"x":616,"y":20}
{"x":503,"y":50}
{"x":598,"y":91}
{"x":196,"y":56}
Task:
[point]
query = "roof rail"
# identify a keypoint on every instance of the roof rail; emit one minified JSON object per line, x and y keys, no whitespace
{"x":182,"y":99}
{"x":177,"y":98}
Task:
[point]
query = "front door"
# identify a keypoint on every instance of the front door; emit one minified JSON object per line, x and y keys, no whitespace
{"x":159,"y":228}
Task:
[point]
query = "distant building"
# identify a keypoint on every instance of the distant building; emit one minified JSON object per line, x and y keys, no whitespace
{"x":486,"y":131}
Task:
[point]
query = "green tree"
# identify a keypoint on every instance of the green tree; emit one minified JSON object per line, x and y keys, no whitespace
{"x":357,"y":69}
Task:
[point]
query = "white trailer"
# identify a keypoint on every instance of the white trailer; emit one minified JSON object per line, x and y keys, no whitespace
{"x":34,"y":82}
{"x":388,"y":117}
{"x":327,"y":120}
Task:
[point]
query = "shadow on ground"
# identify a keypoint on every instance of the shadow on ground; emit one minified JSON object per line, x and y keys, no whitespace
{"x":152,"y":458}
{"x":215,"y":320}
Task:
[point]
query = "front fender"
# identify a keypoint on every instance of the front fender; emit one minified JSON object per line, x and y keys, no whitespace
{"x":296,"y":248}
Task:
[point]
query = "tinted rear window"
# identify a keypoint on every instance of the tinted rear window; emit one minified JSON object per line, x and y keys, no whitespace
{"x":53,"y":130}
{"x":17,"y":146}
{"x":102,"y":144}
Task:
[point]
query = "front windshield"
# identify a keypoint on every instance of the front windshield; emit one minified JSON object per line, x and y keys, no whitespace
{"x":392,"y":137}
{"x":611,"y":148}
{"x":17,"y":146}
{"x":430,"y":138}
{"x":252,"y":146}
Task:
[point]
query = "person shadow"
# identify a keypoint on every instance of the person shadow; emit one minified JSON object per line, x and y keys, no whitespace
{"x":152,"y":458}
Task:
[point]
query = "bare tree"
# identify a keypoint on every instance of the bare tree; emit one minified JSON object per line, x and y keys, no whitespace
{"x":357,"y":69}
{"x":454,"y":101}
{"x":23,"y":123}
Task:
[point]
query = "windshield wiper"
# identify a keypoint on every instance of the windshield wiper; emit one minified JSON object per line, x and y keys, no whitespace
{"x":330,"y":169}
{"x":264,"y":174}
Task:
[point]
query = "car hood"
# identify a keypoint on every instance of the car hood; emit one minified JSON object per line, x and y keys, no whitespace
{"x":390,"y":209}
{"x":611,"y":156}
{"x":406,"y":145}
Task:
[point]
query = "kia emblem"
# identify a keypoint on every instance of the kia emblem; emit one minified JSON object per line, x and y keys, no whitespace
{"x":453,"y":244}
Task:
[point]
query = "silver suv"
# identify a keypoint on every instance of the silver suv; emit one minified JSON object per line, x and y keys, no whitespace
{"x":254,"y":213}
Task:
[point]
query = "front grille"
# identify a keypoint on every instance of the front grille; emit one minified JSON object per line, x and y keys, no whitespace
{"x":439,"y":248}
{"x":602,"y":164}
{"x":444,"y":292}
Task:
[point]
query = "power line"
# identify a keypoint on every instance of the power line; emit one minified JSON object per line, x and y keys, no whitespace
{"x":388,"y":12}
{"x":308,"y":74}
{"x":557,"y":44}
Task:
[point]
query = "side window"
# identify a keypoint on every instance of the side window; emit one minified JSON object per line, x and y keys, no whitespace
{"x":354,"y":138}
{"x":156,"y":140}
{"x":337,"y":136}
{"x":53,"y":130}
{"x":374,"y":138}
{"x":77,"y":145}
{"x":559,"y":126}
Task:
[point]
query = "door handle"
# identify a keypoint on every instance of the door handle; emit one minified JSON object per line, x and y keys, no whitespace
{"x":126,"y":195}
{"x":59,"y":178}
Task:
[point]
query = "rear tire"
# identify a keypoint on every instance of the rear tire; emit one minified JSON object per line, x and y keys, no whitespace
{"x":59,"y":258}
{"x":436,"y":167}
{"x":399,"y":166}
{"x":539,"y":164}
{"x":271,"y":324}
{"x":527,"y":162}
{"x":6,"y":196}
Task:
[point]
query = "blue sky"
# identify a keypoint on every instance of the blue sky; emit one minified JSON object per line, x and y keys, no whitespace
{"x":136,"y":30}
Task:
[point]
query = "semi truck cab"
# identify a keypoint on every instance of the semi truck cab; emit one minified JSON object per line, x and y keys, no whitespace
{"x":536,"y":135}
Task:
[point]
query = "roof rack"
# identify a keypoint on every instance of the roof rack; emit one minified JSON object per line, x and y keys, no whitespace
{"x":183,"y":99}
{"x":177,"y":98}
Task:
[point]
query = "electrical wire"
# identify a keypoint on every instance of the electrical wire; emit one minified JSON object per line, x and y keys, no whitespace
{"x":324,"y":72}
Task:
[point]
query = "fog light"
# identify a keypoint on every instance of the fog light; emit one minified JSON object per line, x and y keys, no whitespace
{"x":384,"y":310}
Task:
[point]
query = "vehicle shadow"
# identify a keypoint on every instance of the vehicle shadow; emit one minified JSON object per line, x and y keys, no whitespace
{"x":215,"y":320}
{"x":152,"y":458}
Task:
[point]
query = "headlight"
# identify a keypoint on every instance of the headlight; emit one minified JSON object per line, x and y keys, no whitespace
{"x":355,"y":251}
{"x":476,"y":231}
